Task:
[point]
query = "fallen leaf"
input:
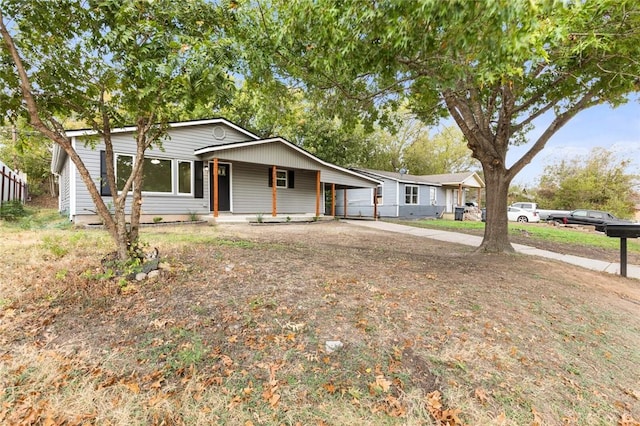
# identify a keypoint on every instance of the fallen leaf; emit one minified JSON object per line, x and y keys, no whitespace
{"x":329,"y":387}
{"x":481,"y":394}
{"x":383,"y":383}
{"x":133,"y":387}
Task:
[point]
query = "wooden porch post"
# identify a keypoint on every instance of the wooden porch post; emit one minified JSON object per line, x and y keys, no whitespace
{"x":459,"y":194}
{"x":479,"y":199}
{"x":214,"y":172}
{"x":318,"y":193}
{"x":274,"y":192}
{"x":333,"y":199}
{"x":345,"y":202}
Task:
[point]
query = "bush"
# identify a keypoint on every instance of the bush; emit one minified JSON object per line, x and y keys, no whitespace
{"x":11,"y":211}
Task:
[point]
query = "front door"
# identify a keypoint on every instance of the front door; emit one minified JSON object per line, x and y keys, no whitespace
{"x":224,"y":179}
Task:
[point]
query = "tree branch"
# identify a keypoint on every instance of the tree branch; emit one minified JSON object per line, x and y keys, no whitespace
{"x":585,"y":102}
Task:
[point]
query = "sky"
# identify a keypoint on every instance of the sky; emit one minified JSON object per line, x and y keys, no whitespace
{"x":617,"y":130}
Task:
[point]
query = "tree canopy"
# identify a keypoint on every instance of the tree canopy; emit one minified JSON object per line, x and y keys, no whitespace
{"x":493,"y":66}
{"x":443,"y":152}
{"x":110,"y":63}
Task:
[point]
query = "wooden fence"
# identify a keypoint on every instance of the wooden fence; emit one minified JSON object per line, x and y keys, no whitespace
{"x":13,"y":186}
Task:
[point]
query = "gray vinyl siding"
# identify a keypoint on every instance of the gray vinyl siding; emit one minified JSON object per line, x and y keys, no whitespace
{"x":359,"y":202}
{"x":180,"y":146}
{"x":280,"y":155}
{"x":251,"y":192}
{"x":271,"y":154}
{"x":65,"y":189}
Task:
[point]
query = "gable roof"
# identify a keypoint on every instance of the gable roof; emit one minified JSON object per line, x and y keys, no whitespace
{"x":399,"y":177}
{"x":238,"y":151}
{"x":88,"y":132}
{"x":59,"y":155}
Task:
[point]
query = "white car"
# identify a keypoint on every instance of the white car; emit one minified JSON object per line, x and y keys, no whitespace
{"x":516,"y":214}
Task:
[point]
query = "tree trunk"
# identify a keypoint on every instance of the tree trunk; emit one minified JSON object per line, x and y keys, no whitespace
{"x":496,"y":230}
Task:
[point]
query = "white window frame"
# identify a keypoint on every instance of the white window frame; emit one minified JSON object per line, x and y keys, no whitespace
{"x":433,"y":195}
{"x":412,"y":195}
{"x":279,"y":179}
{"x":192,"y":177}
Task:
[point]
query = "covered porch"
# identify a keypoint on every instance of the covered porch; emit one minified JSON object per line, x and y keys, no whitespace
{"x":273,"y":180}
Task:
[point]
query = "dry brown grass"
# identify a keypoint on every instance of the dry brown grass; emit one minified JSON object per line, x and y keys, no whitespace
{"x":235,"y":333}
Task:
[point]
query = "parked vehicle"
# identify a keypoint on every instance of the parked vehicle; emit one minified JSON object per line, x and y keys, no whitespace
{"x":533,"y":207}
{"x":517,"y":214}
{"x":597,"y":218}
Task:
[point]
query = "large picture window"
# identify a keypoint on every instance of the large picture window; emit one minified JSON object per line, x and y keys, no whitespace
{"x":157,"y":174}
{"x":411,"y":194}
{"x":184,"y":177}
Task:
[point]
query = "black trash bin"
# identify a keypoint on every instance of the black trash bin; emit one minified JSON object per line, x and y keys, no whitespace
{"x":484,"y":214}
{"x":459,"y":213}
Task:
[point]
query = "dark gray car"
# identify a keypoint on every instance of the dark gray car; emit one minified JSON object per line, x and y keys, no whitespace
{"x":597,"y":218}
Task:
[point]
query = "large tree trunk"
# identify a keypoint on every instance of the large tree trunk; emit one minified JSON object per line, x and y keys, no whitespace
{"x":496,"y":230}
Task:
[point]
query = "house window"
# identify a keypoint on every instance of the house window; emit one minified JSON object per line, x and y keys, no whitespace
{"x":432,"y":196}
{"x":184,"y":177}
{"x":411,"y":194}
{"x":281,"y":179}
{"x":284,"y":178}
{"x":157,"y":174}
{"x":124,"y":166}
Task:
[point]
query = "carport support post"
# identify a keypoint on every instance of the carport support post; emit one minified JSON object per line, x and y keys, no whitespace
{"x":318,"y":193}
{"x":274,"y":192}
{"x":214,"y":172}
{"x":375,"y":203}
{"x":623,"y":257}
{"x":333,"y":199}
{"x":345,"y":202}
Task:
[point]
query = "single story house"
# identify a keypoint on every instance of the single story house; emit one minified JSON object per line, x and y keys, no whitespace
{"x":209,"y":168}
{"x":406,"y":196}
{"x":456,"y":187}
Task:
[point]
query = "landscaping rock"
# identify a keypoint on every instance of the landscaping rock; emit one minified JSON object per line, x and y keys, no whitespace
{"x":333,"y":345}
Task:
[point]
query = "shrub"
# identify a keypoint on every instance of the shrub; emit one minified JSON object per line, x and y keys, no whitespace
{"x":11,"y":211}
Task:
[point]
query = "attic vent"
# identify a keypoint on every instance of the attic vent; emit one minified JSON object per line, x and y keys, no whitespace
{"x":219,"y":132}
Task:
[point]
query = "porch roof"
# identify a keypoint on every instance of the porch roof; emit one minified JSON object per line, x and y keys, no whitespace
{"x":281,"y":153}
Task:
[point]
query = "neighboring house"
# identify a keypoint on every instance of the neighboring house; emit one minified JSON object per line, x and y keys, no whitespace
{"x":398,"y":195}
{"x":253,"y":176}
{"x":406,"y":196}
{"x":456,"y":187}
